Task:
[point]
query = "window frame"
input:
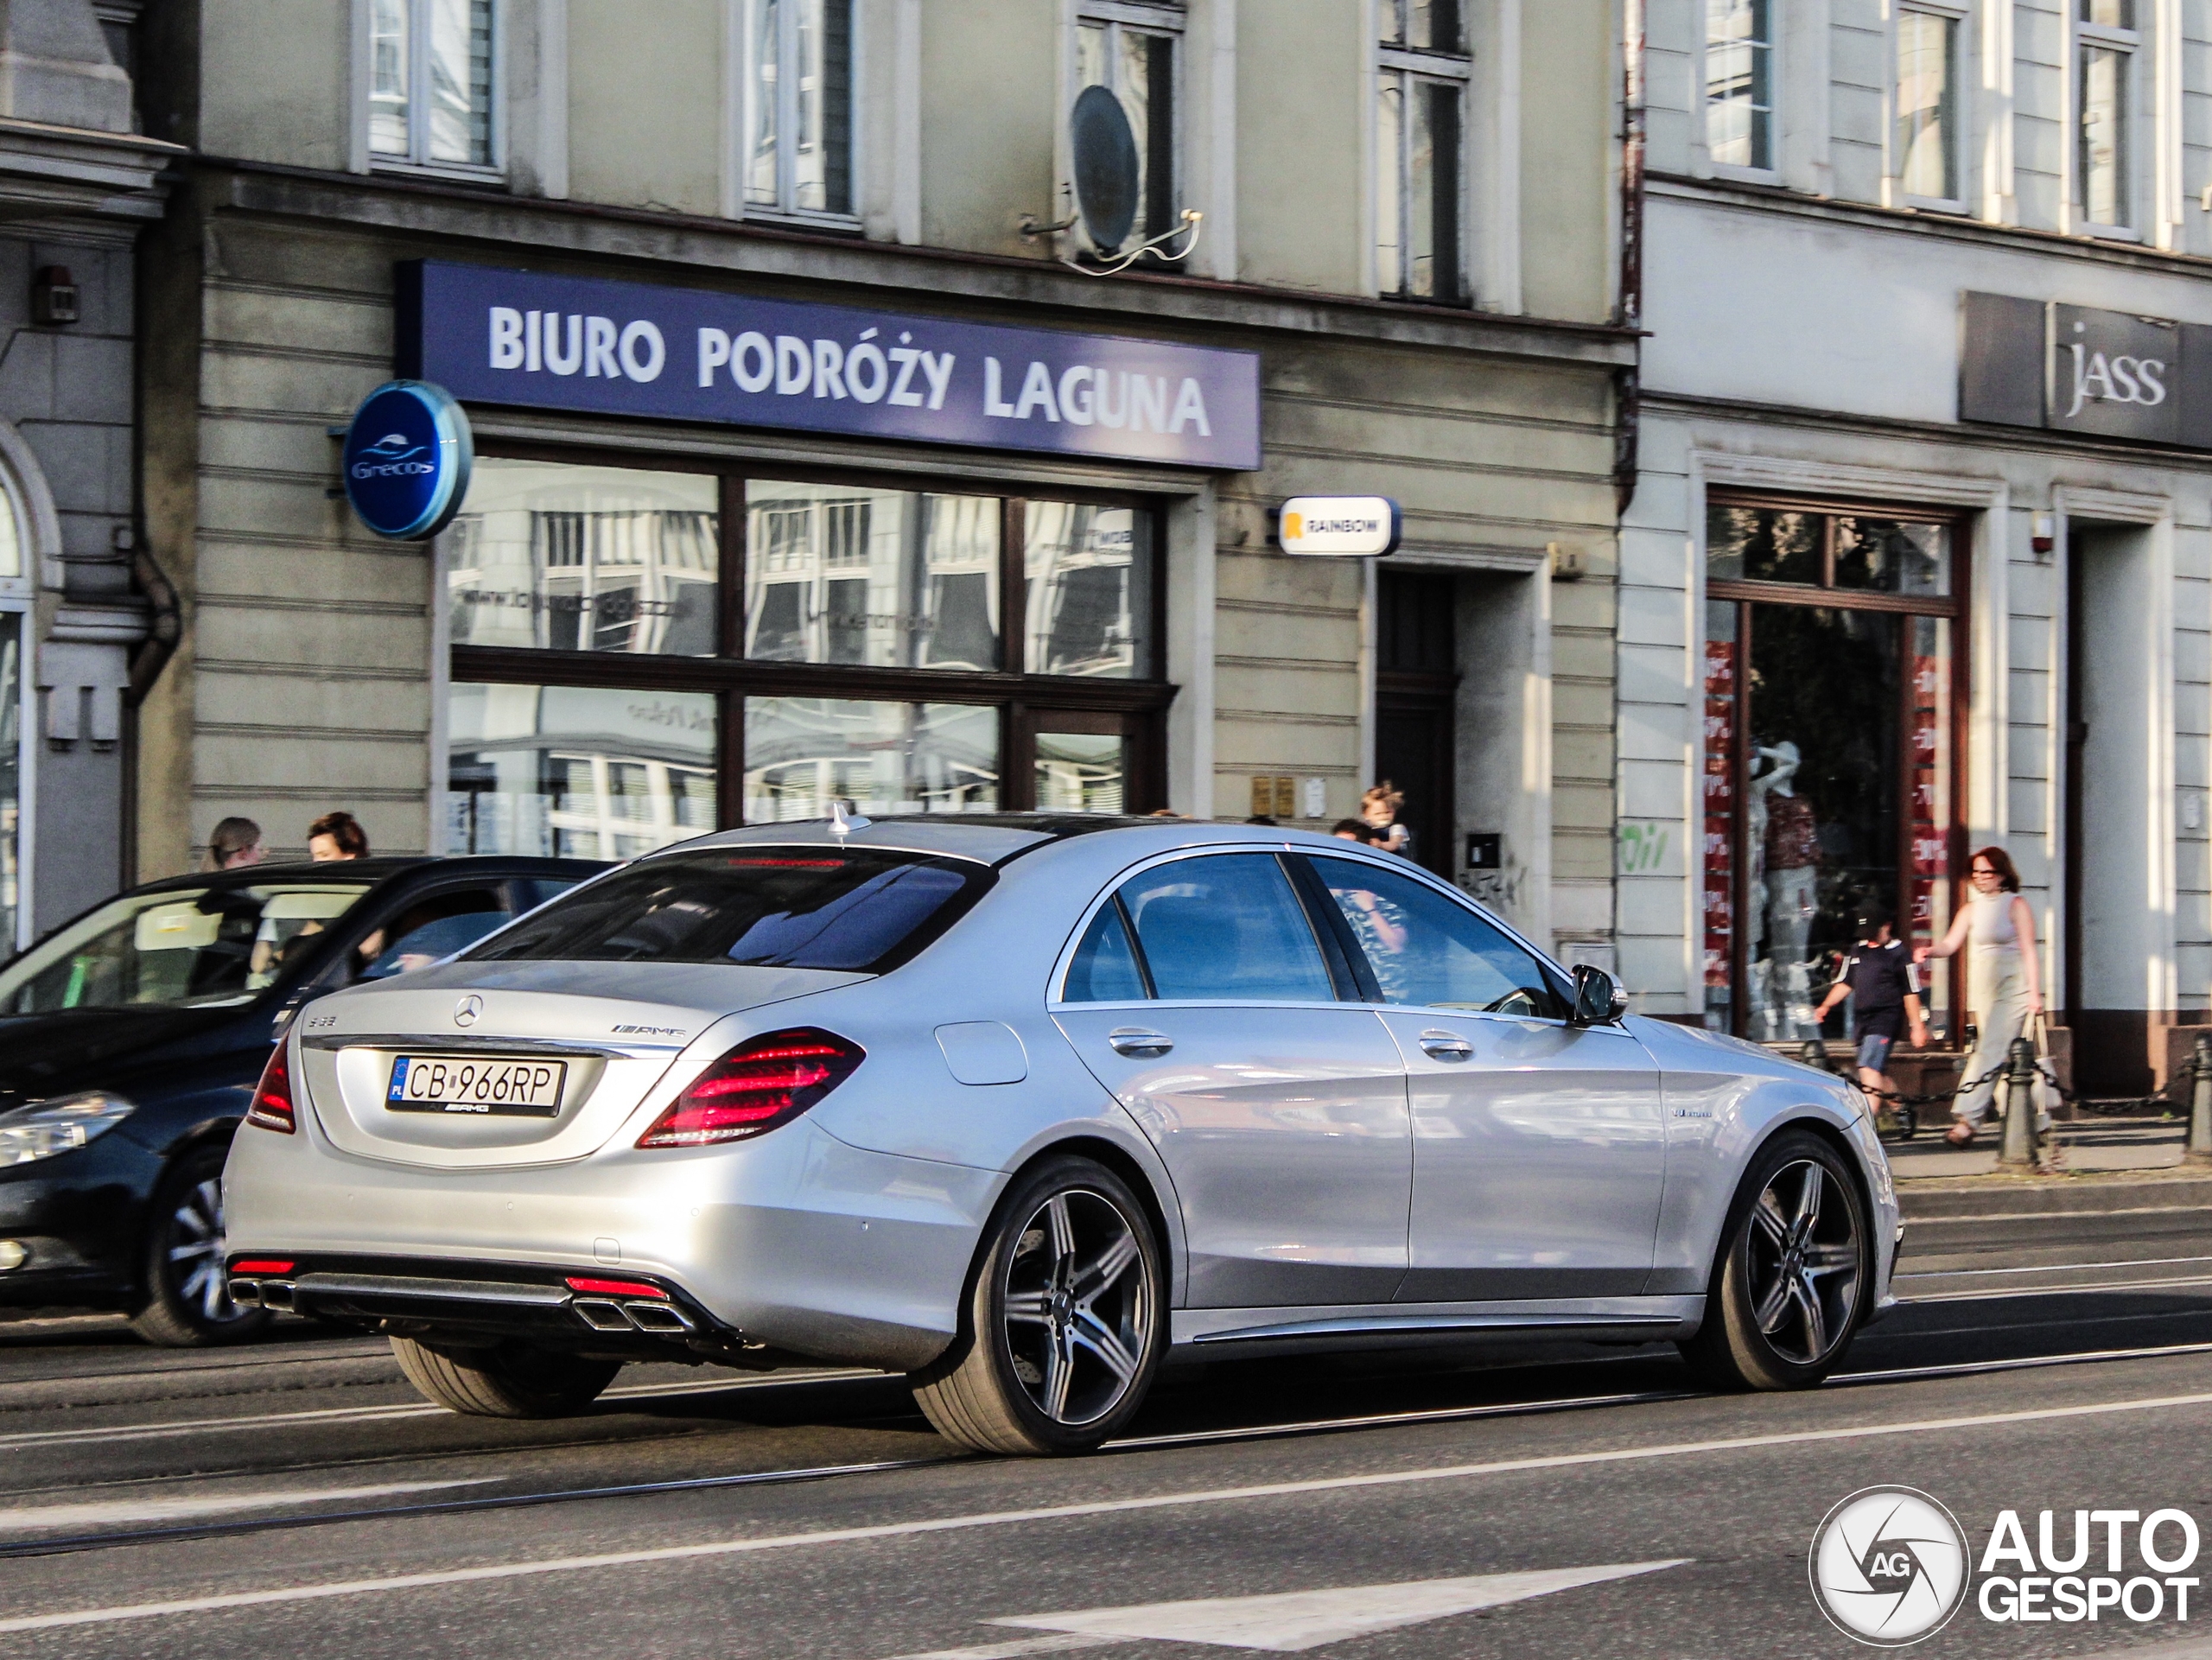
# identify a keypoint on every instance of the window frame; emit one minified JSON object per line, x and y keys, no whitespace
{"x":1168,"y":19}
{"x":1412,"y":67}
{"x":2133,"y":46}
{"x":1023,"y":700}
{"x":1768,"y":171}
{"x":417,"y":161}
{"x":1958,"y":152}
{"x":785,"y":208}
{"x":1955,"y":607}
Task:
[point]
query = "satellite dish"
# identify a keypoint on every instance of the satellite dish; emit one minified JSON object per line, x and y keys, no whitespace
{"x":1105,"y":168}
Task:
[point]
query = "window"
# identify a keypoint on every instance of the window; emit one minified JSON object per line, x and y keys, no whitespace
{"x":1225,"y":927}
{"x":437,"y":928}
{"x":1429,"y":950}
{"x":1832,"y":751}
{"x":2106,"y":44}
{"x":643,"y":654}
{"x":1739,"y":83}
{"x":1420,"y":151}
{"x":1130,"y":50}
{"x":797,"y":116}
{"x":430,"y":82}
{"x":1928,"y":123}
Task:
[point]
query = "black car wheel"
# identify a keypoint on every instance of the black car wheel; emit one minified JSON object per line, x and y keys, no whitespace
{"x":1065,"y":1323}
{"x":188,"y":1294}
{"x":511,"y":1380}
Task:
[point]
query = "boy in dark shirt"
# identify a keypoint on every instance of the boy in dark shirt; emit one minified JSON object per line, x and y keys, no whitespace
{"x":1878,"y":977}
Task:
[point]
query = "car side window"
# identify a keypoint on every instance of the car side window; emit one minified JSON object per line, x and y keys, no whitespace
{"x":1427,"y":951}
{"x":1105,"y":968}
{"x":1227,"y":926}
{"x":432,"y":927}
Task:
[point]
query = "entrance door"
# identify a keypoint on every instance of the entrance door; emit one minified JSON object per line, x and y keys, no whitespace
{"x":1085,"y":760}
{"x":1416,"y":685}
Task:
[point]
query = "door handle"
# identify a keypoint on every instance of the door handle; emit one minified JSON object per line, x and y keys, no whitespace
{"x":1447,"y":1045}
{"x":1136,"y":1041}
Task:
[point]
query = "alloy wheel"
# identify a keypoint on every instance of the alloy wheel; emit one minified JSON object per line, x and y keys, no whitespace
{"x":1078,"y":1307}
{"x":1805,"y":1259}
{"x":196,"y":1253}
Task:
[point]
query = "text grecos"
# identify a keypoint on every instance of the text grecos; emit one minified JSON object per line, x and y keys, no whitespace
{"x":2050,"y":1584}
{"x":867,"y":372}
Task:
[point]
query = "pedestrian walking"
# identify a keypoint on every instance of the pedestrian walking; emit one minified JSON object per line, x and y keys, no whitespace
{"x":337,"y":835}
{"x":1885,"y":1004}
{"x":2004,"y":982}
{"x":1379,"y":808}
{"x":235,"y":844}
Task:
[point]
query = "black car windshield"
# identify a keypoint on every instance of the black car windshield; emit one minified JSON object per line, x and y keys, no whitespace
{"x":176,"y":948}
{"x":863,"y":910}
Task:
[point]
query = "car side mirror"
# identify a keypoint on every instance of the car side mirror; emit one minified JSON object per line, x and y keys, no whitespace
{"x":1598,"y":1000}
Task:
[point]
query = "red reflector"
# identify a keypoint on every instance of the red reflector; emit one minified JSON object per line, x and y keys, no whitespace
{"x":755,"y":1087}
{"x":272,"y":1096}
{"x":257,"y":1267}
{"x":617,"y":1289}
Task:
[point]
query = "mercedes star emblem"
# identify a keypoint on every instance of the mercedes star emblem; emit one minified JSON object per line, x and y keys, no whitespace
{"x":465,"y":1011}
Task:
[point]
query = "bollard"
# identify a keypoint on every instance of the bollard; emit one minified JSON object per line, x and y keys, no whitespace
{"x":2200,"y":1105}
{"x":2019,"y":1144}
{"x":1814,"y":1054}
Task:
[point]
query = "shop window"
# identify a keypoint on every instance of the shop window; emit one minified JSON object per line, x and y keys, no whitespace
{"x":1130,"y":50}
{"x":1928,"y":131}
{"x":802,"y":753}
{"x":888,"y":578}
{"x":1832,"y":753}
{"x":577,"y":772}
{"x":2106,"y":45}
{"x":1740,"y":84}
{"x":643,"y":654}
{"x":1419,"y":150}
{"x":430,"y":82}
{"x":12,"y":894}
{"x":560,"y":558}
{"x":797,"y":116}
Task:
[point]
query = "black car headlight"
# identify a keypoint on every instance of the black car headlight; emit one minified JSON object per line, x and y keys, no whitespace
{"x":61,"y":1125}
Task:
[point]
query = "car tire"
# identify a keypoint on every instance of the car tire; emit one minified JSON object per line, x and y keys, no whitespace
{"x":1796,"y":1266}
{"x":186,"y":1291}
{"x":1065,"y":1322}
{"x":513,"y":1380}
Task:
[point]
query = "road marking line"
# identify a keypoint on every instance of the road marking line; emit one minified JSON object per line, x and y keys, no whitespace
{"x":1057,"y":1641}
{"x":719,"y":1547}
{"x":1379,"y":1420}
{"x":2047,"y":1268}
{"x":28,"y":1518}
{"x":1999,"y":1293}
{"x":1963,"y":1368}
{"x":1288,"y":1621}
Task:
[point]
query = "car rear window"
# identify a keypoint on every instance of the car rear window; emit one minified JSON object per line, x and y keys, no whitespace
{"x":865,"y":911}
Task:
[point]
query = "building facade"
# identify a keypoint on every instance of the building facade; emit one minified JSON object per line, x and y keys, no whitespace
{"x":83,"y":620}
{"x":744,"y":559}
{"x":1918,"y":558}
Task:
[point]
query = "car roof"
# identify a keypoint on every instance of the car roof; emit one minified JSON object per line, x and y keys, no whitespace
{"x":994,"y":838}
{"x":502,"y":867}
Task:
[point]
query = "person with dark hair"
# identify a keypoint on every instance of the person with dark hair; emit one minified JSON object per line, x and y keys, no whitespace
{"x":235,"y":844}
{"x":2004,"y":982}
{"x":1265,"y":819}
{"x":1884,"y":998}
{"x":337,"y":835}
{"x":1355,"y":830}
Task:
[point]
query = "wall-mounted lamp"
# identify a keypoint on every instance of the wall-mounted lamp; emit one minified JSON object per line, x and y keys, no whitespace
{"x":53,"y":295}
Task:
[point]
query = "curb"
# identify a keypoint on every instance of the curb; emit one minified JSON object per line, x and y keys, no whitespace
{"x":2084,"y":1194}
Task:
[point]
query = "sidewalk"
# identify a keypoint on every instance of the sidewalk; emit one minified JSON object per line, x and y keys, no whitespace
{"x":2144,"y":1147}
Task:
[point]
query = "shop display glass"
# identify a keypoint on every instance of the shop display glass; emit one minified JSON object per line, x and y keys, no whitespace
{"x":577,"y":772}
{"x":1088,"y":571}
{"x":802,"y":754}
{"x":1830,"y":783}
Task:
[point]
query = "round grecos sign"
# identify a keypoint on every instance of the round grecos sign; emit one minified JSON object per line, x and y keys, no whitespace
{"x":407,"y":458}
{"x":1342,"y":527}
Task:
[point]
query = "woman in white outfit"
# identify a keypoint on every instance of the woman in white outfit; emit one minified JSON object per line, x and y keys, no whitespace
{"x":2003,"y":985}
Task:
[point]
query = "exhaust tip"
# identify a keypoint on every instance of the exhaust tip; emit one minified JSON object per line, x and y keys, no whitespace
{"x":601,"y":1315}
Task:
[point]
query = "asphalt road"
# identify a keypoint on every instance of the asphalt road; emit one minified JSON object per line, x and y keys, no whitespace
{"x":294,"y":1499}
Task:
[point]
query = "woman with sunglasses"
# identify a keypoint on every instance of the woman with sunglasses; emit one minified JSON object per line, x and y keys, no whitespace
{"x":2003,"y":983}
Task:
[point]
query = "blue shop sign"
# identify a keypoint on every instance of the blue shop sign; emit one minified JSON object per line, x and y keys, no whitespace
{"x":406,"y":458}
{"x":574,"y":343}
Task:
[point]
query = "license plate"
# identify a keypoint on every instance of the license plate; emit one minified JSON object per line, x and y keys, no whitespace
{"x":458,"y":1084}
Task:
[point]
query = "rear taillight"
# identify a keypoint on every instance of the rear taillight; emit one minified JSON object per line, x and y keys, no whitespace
{"x":614,"y":1288}
{"x":258,"y":1265}
{"x":755,"y":1087}
{"x":272,"y":1096}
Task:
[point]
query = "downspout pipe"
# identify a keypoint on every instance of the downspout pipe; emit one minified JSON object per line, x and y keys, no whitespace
{"x":1628,"y":307}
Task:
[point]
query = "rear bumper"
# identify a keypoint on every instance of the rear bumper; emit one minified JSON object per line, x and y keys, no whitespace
{"x":795,"y":1246}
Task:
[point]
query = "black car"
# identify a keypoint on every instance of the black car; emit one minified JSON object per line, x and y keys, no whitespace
{"x":132,"y":1038}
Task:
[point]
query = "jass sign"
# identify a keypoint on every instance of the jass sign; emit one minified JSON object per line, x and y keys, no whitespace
{"x":2068,"y":368}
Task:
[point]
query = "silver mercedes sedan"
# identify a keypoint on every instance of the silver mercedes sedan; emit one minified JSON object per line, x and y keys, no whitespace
{"x":1025,"y":1106}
